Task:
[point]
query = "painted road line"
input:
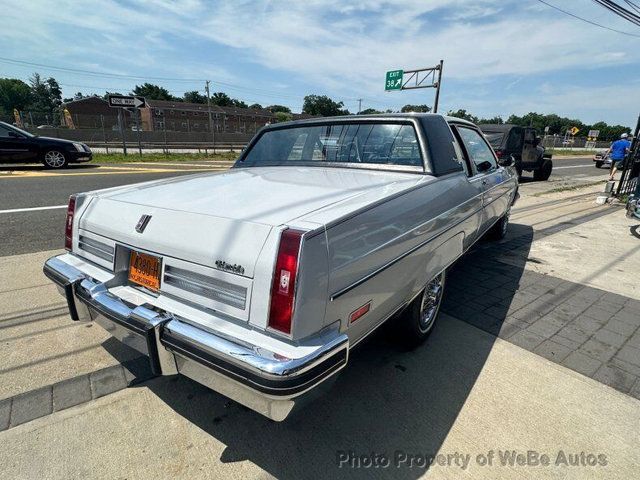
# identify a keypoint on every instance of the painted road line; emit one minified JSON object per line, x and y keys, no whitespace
{"x":33,"y":209}
{"x":575,"y":166}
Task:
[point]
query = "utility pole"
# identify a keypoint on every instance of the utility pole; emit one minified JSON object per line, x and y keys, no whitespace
{"x":213,"y":133}
{"x":359,"y":105}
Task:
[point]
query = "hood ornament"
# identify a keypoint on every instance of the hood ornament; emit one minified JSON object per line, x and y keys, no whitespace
{"x":142,"y":223}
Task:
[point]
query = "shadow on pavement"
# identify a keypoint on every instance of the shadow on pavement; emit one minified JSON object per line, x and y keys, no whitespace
{"x":385,"y":401}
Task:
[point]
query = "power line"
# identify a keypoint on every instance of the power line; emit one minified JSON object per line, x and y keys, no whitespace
{"x":620,"y":11}
{"x":93,"y":73}
{"x":635,"y":6}
{"x":589,"y":21}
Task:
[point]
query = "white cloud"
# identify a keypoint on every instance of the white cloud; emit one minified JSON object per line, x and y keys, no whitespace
{"x":333,"y":46}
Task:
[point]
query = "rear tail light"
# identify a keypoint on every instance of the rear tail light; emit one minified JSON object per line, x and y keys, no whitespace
{"x":284,"y":281}
{"x":499,"y":153}
{"x":68,"y":224}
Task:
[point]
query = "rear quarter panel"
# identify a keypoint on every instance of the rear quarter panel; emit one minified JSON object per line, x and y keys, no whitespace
{"x":386,"y":254}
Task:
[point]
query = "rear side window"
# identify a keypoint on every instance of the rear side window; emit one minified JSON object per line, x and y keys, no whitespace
{"x":515,"y":140}
{"x":477,"y":148}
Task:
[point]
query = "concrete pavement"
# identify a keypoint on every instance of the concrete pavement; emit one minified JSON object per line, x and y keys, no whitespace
{"x":39,"y":344}
{"x":555,"y":267}
{"x":464,"y":392}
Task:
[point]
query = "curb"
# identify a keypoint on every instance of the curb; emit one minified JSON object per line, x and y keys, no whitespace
{"x":28,"y":406}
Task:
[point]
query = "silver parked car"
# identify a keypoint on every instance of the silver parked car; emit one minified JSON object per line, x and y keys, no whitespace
{"x":257,"y":282}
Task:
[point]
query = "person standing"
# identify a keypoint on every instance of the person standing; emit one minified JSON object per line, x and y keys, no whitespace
{"x":618,"y":151}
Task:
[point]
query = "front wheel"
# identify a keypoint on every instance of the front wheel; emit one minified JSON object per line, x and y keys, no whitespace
{"x":599,"y":164}
{"x":55,"y":159}
{"x":418,"y":319}
{"x":544,"y":172}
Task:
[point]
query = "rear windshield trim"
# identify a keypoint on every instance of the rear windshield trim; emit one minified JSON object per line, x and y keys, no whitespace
{"x":350,"y":121}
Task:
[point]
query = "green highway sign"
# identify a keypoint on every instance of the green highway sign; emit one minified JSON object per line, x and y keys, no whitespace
{"x":394,"y":80}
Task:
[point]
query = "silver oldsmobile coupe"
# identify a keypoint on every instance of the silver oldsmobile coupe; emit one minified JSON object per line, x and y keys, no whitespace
{"x":257,"y":282}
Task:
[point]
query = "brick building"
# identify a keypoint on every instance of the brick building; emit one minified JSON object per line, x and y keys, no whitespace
{"x":173,"y":116}
{"x":194,"y":117}
{"x":90,"y":112}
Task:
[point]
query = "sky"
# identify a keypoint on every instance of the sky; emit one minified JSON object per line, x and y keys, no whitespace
{"x":500,"y":56}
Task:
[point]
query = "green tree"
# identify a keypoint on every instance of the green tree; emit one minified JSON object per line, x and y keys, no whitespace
{"x":153,"y":92}
{"x":256,"y":106}
{"x":493,"y":120}
{"x":283,"y":117}
{"x":239,"y":103}
{"x":14,"y":93}
{"x":415,"y":108}
{"x":278,"y":108}
{"x":194,"y":97}
{"x":323,"y":105}
{"x":462,"y":113}
{"x":369,"y":111}
{"x":46,"y":95}
{"x":221,"y":99}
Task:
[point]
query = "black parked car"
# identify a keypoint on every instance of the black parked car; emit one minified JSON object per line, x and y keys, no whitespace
{"x":18,"y":146}
{"x":523,"y":144}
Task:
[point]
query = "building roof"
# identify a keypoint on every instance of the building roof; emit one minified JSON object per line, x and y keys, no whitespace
{"x":91,"y":99}
{"x":202,"y":107}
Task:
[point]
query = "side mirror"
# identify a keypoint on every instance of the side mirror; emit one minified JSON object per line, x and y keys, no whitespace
{"x":507,"y":161}
{"x":484,"y":166}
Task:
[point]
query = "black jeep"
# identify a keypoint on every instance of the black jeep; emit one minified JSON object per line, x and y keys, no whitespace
{"x":523,"y":144}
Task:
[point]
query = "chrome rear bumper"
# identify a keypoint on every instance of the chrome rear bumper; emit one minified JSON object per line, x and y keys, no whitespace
{"x":250,"y":374}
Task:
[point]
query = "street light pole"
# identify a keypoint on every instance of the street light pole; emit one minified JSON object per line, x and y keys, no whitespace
{"x":213,"y":133}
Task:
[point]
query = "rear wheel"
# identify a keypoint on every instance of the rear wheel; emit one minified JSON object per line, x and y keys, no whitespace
{"x":544,"y":172}
{"x":418,"y":319}
{"x":500,"y":228}
{"x":55,"y":159}
{"x":599,"y":164}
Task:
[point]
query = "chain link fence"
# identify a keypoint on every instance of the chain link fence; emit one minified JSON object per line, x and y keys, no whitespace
{"x":102,"y":135}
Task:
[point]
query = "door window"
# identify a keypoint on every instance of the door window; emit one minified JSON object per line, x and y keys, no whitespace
{"x":478,"y":149}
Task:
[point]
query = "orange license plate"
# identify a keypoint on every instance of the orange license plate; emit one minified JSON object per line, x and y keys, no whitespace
{"x":145,"y":270}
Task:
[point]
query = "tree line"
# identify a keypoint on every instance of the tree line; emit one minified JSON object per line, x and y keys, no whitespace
{"x":557,"y":125}
{"x":44,"y":96}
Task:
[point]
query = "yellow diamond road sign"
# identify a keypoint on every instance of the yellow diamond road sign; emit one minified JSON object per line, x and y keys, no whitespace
{"x":574,"y":130}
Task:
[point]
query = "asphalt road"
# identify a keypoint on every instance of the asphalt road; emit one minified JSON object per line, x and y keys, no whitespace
{"x":26,"y":231}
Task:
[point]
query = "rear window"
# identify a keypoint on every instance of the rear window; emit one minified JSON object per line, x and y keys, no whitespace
{"x":344,"y":143}
{"x":494,"y":139}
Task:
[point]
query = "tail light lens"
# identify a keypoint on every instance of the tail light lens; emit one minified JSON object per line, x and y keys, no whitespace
{"x":68,"y":224}
{"x":284,"y":281}
{"x":499,"y":153}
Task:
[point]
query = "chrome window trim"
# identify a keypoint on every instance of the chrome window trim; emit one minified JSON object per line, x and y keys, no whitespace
{"x":413,"y":121}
